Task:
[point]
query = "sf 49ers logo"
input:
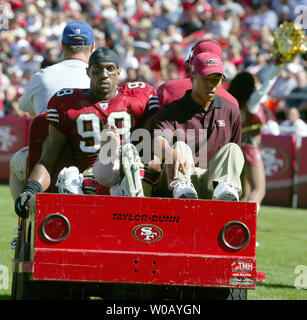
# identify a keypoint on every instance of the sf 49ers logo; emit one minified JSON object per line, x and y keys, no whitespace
{"x":147,"y":233}
{"x":10,"y":141}
{"x":276,"y":161}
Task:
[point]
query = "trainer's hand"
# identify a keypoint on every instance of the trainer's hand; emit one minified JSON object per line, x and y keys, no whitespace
{"x":21,"y":204}
{"x":179,"y":164}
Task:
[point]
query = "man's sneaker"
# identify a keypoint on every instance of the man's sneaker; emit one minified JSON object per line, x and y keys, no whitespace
{"x":131,"y":183}
{"x":226,"y":191}
{"x":70,"y":181}
{"x":183,"y":188}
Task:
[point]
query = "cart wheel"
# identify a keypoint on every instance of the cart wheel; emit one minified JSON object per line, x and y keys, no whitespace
{"x":16,"y":257}
{"x":205,"y":293}
{"x":237,"y":294}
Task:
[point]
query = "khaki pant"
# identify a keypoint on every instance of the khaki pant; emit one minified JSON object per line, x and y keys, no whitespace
{"x":225,"y":166}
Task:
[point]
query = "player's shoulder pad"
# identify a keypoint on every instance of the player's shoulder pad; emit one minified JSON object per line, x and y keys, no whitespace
{"x":64,"y":97}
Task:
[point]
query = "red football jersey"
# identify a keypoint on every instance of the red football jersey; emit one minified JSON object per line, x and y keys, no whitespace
{"x":81,"y":117}
{"x":173,"y":90}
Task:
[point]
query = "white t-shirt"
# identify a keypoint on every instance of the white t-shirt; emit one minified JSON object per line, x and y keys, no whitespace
{"x":45,"y":83}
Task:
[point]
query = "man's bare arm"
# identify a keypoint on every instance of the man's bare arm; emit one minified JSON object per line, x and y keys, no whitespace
{"x":51,"y":151}
{"x":174,"y":161}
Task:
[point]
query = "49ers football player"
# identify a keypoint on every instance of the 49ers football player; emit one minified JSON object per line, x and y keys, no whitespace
{"x":78,"y":116}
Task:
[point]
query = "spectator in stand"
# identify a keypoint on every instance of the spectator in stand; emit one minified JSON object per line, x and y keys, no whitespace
{"x":174,"y":56}
{"x":251,"y":56}
{"x":235,"y":8}
{"x":145,"y":74}
{"x":112,"y":34}
{"x":294,"y":124}
{"x":190,"y":22}
{"x":235,"y":55}
{"x":261,"y":15}
{"x":173,"y":34}
{"x":259,"y":65}
{"x":15,"y":78}
{"x":10,"y":101}
{"x":131,"y":75}
{"x":287,"y":81}
{"x":272,"y":125}
{"x":230,"y":70}
{"x":78,"y":43}
{"x":298,"y":96}
{"x":222,"y":24}
{"x":172,"y":72}
{"x":266,"y":40}
{"x":153,"y":59}
{"x":162,"y":16}
{"x":4,"y":83}
{"x":51,"y":57}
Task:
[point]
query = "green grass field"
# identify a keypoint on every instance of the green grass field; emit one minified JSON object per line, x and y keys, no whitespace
{"x":282,"y":234}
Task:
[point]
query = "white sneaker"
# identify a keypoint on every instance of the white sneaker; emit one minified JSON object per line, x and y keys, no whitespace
{"x":226,"y":191}
{"x":183,"y":188}
{"x":131,"y":182}
{"x":70,"y":181}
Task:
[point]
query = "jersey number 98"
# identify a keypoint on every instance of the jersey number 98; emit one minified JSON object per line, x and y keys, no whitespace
{"x":88,"y":127}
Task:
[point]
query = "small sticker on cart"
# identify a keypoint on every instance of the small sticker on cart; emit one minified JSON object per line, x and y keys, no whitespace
{"x":241,"y":281}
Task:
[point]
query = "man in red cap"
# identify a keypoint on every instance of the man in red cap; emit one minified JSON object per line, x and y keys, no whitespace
{"x":198,"y":138}
{"x":174,"y":89}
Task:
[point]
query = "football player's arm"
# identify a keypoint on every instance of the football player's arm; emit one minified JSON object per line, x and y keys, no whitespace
{"x":151,"y":108}
{"x":40,"y":176}
{"x":50,"y":154}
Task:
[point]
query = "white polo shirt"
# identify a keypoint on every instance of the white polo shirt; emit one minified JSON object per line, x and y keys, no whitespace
{"x":45,"y":83}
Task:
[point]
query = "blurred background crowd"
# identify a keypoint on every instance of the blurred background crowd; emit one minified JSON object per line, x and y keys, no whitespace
{"x":153,"y":39}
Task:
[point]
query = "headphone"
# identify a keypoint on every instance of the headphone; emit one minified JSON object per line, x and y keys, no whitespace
{"x":197,"y":43}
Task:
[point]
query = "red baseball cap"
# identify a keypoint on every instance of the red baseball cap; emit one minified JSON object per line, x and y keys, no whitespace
{"x":207,"y":63}
{"x":207,"y":45}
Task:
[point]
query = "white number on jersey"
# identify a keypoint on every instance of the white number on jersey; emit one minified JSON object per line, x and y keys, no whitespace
{"x":91,"y":120}
{"x":64,"y":92}
{"x":85,"y":121}
{"x":123,"y":117}
{"x":136,"y":84}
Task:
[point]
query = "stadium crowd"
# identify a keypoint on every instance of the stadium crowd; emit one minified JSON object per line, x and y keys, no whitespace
{"x":153,"y":39}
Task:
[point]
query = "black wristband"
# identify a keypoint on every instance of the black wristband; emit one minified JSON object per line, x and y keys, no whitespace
{"x":33,"y":186}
